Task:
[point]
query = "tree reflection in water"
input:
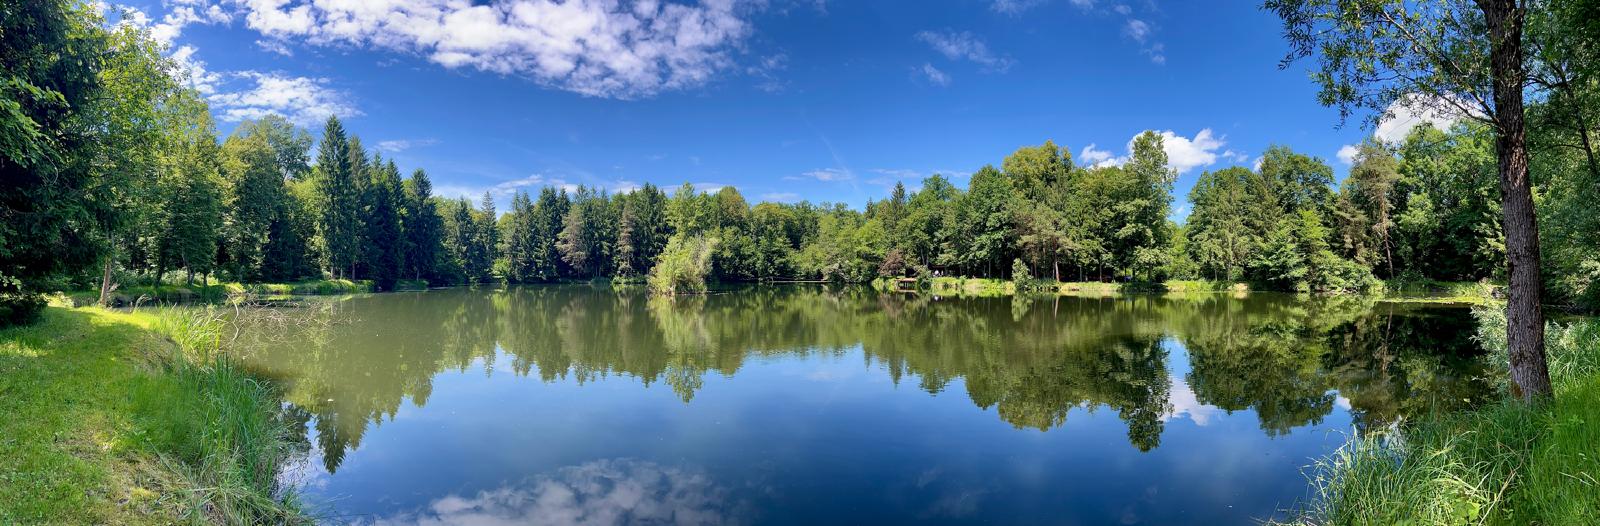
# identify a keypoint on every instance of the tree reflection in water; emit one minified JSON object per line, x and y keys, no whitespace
{"x":1033,"y":360}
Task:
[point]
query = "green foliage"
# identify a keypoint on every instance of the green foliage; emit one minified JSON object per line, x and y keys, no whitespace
{"x":339,"y":200}
{"x":423,"y":229}
{"x":683,"y":266}
{"x":848,"y":248}
{"x":385,"y":203}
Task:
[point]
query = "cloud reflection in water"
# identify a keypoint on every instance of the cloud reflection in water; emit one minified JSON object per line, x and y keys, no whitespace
{"x":602,"y":492}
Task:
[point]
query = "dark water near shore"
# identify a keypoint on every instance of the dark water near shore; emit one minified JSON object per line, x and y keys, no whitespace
{"x":811,"y":405}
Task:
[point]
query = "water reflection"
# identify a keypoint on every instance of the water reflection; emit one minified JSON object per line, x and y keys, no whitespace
{"x":599,"y":493}
{"x":1035,"y":361}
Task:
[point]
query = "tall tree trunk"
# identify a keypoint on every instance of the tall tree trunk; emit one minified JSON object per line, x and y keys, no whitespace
{"x":1524,"y":317}
{"x":105,"y":280}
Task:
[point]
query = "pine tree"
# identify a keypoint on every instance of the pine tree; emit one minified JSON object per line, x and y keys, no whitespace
{"x":520,"y":242}
{"x":422,"y":228}
{"x":340,"y":201}
{"x":550,"y":213}
{"x":486,"y":241}
{"x":385,"y":239}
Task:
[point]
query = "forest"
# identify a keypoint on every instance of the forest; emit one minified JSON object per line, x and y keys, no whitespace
{"x":115,"y":173}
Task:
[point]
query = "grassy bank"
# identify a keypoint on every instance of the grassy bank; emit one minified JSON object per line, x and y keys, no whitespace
{"x":1407,"y":291}
{"x":217,"y":292}
{"x":1508,"y":463}
{"x":114,"y":418}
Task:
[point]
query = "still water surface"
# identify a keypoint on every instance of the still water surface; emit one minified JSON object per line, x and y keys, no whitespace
{"x":813,"y":405}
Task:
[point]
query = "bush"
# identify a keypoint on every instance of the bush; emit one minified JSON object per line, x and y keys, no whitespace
{"x":683,"y":266}
{"x":17,"y":306}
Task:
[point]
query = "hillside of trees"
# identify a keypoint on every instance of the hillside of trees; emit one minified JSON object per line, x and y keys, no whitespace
{"x":114,"y":171}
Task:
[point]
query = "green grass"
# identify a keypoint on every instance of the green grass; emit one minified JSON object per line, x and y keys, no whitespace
{"x":1507,"y":463}
{"x":1430,"y":291}
{"x":217,"y":292}
{"x":114,"y":418}
{"x":1000,"y":287}
{"x":971,"y":286}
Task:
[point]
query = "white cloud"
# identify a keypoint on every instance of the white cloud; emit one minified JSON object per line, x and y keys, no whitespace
{"x":1083,"y":4}
{"x":602,"y":492}
{"x":1347,"y":154}
{"x":184,"y":13}
{"x":1013,"y":7}
{"x":933,"y":75}
{"x":1137,"y":29}
{"x":275,"y":46}
{"x":400,"y":145}
{"x":600,"y":48}
{"x":303,"y":100}
{"x":242,"y":95}
{"x":965,"y":46}
{"x":1093,"y":156}
{"x":824,"y":175}
{"x":781,"y":197}
{"x":1183,"y":153}
{"x":1234,"y":156}
{"x":1184,"y":403}
{"x":1414,"y":110}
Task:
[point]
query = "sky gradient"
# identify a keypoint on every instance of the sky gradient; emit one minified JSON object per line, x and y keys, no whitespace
{"x":822,"y":101}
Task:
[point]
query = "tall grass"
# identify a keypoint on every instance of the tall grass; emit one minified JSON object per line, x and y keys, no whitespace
{"x":1506,"y":463}
{"x":216,"y":426}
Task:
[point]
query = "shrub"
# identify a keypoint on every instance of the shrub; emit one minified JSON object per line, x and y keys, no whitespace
{"x":18,"y":306}
{"x":683,"y":266}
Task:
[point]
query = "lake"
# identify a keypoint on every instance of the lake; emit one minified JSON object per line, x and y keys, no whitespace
{"x":798,"y":404}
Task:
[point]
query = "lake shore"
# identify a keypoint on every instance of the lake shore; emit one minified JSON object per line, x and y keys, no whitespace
{"x":1404,"y":291}
{"x":133,"y":295}
{"x":131,"y":418}
{"x":1504,"y":463}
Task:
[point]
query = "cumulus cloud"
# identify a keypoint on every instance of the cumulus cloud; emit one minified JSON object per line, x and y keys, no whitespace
{"x":305,"y":101}
{"x":933,"y":75}
{"x":1093,"y":156}
{"x":1183,"y":153}
{"x":965,"y":46}
{"x":1347,"y":153}
{"x":1415,"y":110}
{"x":170,"y":26}
{"x":603,"y":492}
{"x":600,"y":48}
{"x":242,"y":95}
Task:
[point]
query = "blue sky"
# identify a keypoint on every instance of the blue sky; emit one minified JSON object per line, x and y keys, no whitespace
{"x":787,"y":100}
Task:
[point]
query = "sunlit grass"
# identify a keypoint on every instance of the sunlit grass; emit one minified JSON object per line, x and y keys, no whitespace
{"x":116,"y":418}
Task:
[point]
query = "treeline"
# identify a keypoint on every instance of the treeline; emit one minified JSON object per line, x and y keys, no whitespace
{"x":113,"y":172}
